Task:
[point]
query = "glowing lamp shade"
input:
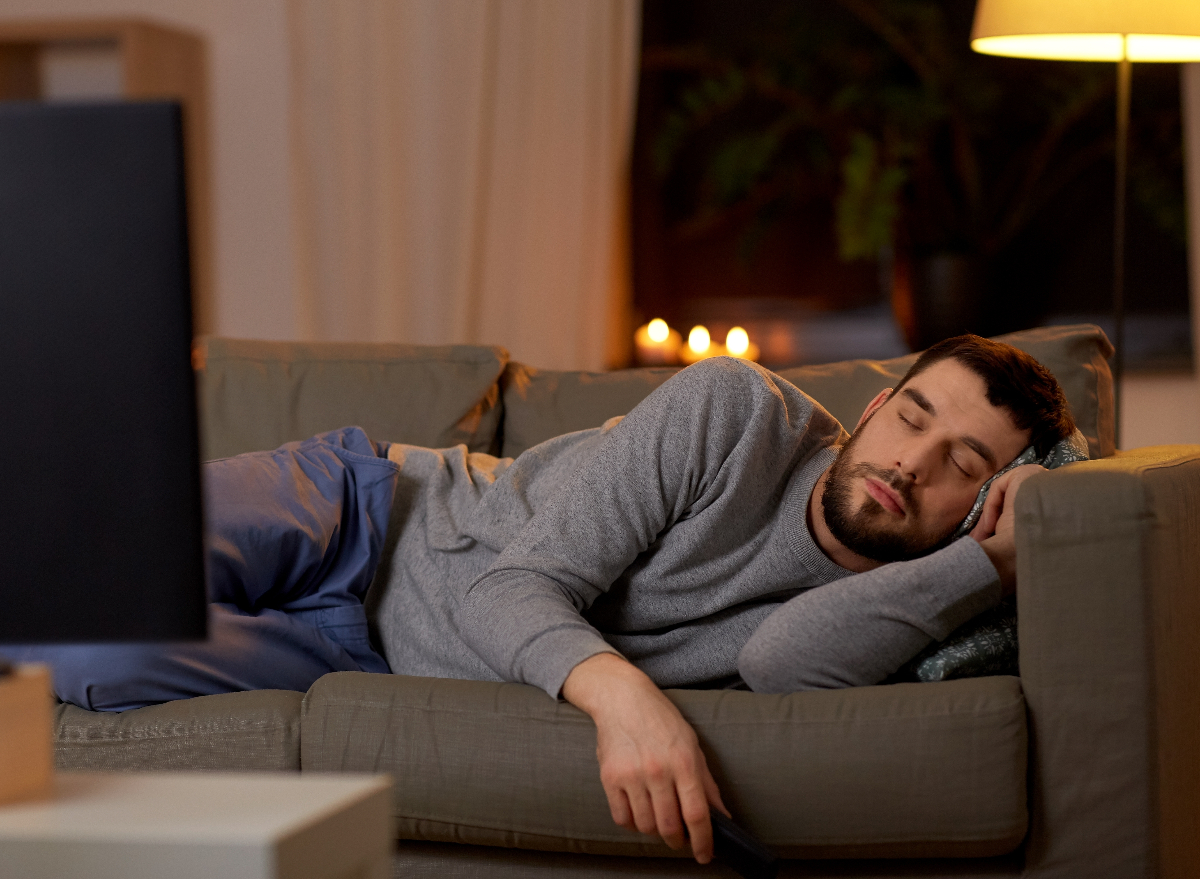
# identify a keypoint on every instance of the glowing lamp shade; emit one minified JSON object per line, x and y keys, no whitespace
{"x":1123,"y":31}
{"x":1089,"y":30}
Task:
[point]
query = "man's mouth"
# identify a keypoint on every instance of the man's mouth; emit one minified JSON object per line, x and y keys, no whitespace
{"x":887,"y":497}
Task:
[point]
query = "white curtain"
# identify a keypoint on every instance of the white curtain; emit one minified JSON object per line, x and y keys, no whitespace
{"x":460,"y":172}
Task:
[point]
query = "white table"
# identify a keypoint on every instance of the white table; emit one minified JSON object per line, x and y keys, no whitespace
{"x":201,"y":824}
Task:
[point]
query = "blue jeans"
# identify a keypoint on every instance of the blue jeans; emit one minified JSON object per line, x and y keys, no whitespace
{"x":293,"y":539}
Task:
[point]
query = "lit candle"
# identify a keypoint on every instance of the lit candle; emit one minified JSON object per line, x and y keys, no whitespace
{"x":699,"y":345}
{"x":737,"y":343}
{"x":657,"y":344}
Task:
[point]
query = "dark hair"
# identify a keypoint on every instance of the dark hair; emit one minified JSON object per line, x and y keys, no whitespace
{"x":1014,"y":381}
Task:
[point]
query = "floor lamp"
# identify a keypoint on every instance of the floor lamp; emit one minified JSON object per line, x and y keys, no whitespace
{"x":1123,"y":31}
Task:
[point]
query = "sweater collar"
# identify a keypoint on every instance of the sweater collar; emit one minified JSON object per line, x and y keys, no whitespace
{"x":804,"y":479}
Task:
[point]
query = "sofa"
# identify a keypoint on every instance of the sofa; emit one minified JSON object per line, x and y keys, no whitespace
{"x":1086,"y":765}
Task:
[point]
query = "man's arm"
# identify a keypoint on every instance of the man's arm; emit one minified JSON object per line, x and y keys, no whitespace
{"x":858,"y":630}
{"x":673,"y":455}
{"x":651,"y":765}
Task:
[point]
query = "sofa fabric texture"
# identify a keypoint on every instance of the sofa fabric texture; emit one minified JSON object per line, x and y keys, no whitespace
{"x":908,"y":770}
{"x":1095,"y":747}
{"x":540,"y":403}
{"x":257,"y":730}
{"x":544,"y":403}
{"x":1119,"y":711}
{"x":442,"y":860}
{"x":259,"y":395}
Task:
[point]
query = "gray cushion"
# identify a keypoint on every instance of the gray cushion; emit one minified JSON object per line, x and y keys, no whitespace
{"x":443,"y":860}
{"x":258,"y":730}
{"x":1077,"y":355}
{"x":258,"y":395}
{"x":905,"y":770}
{"x":542,"y":403}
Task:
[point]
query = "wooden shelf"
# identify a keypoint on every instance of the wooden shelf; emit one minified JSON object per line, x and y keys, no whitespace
{"x":157,"y":63}
{"x":26,"y":735}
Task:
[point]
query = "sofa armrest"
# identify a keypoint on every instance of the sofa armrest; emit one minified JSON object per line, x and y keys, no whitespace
{"x":1108,"y":596}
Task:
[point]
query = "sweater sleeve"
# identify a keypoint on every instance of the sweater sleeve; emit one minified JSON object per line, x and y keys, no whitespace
{"x":675,"y":452}
{"x":858,"y":630}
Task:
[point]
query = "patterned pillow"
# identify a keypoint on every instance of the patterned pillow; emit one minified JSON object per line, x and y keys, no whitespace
{"x":987,"y":644}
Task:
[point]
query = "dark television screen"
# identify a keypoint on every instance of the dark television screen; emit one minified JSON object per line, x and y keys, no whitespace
{"x":101,"y":522}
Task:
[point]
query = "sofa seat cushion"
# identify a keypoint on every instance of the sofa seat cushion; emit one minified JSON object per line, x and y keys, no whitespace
{"x":259,"y":395}
{"x":908,"y":770}
{"x":257,"y":730}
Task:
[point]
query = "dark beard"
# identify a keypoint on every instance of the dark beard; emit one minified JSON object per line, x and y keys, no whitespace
{"x":858,"y":529}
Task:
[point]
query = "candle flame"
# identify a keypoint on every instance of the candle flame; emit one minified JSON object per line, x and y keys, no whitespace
{"x":658,"y":330}
{"x":737,"y":342}
{"x":699,"y":339}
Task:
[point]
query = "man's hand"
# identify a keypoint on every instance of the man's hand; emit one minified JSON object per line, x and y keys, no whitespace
{"x":995,"y":529}
{"x":651,"y":765}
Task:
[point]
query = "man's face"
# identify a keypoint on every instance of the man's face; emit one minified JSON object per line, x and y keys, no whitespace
{"x":911,"y":471}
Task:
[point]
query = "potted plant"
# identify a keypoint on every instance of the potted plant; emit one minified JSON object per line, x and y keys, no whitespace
{"x":934,"y":158}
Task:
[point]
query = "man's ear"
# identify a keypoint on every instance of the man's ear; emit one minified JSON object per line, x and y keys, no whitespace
{"x":880,"y":399}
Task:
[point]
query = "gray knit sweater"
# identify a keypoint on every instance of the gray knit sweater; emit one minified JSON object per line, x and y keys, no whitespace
{"x":669,"y":536}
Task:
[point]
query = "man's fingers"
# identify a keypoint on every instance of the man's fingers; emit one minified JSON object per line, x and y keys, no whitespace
{"x":712,"y":793}
{"x":993,"y":506}
{"x":644,"y":820}
{"x":666,"y":815}
{"x":999,"y":499}
{"x":669,"y":800}
{"x":694,"y":806}
{"x":618,"y":805}
{"x":651,"y":766}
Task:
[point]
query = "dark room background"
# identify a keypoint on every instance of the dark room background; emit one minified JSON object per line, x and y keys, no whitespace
{"x":849,"y":179}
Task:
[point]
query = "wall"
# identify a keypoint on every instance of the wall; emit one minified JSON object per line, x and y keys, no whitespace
{"x":1166,"y":409}
{"x":249,"y":70}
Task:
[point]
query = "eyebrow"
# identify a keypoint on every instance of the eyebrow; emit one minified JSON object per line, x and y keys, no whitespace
{"x":970,"y":442}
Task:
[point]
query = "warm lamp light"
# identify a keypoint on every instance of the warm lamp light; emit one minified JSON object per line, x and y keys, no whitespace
{"x":657,"y":330}
{"x":1089,"y":30}
{"x":1096,"y":30}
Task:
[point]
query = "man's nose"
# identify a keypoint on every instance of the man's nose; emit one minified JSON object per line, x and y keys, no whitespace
{"x":914,"y":458}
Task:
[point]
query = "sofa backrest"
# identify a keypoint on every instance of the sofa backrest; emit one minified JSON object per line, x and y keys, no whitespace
{"x":540,"y":403}
{"x":258,"y":395}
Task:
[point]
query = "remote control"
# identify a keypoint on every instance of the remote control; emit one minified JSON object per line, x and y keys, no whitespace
{"x":740,"y":851}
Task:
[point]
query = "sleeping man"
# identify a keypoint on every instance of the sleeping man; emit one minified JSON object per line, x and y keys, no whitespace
{"x":727,"y":531}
